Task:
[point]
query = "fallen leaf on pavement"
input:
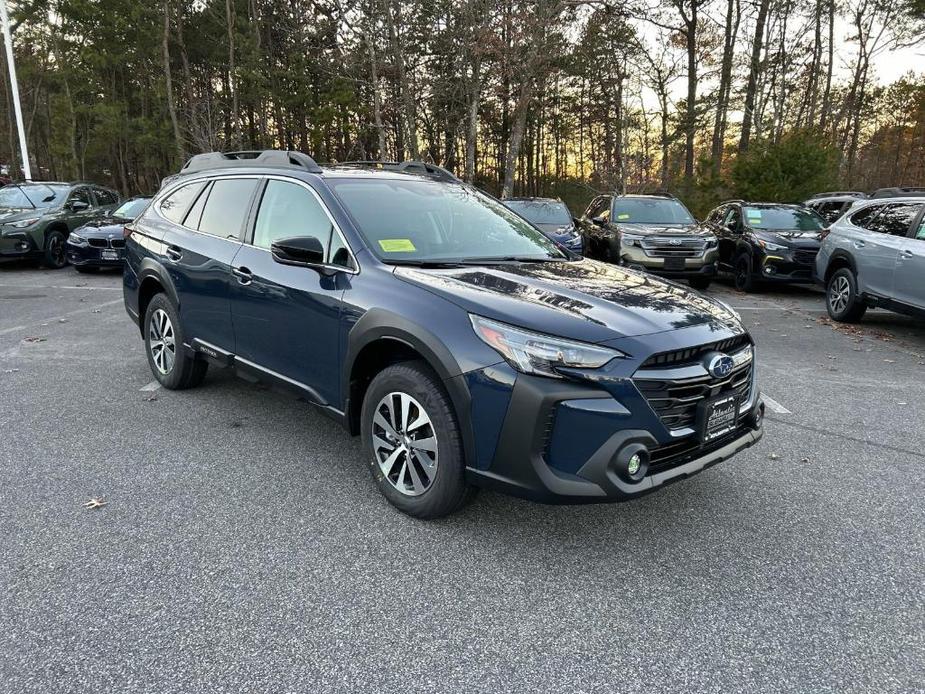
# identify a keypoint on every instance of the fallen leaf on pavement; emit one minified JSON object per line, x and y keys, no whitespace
{"x":95,"y":503}
{"x":35,"y":339}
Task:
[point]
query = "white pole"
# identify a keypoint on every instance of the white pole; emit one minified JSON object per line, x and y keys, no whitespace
{"x":8,"y":40}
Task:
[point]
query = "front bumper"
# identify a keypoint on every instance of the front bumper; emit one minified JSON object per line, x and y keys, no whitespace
{"x":561,"y":442}
{"x":17,"y":245}
{"x":90,"y":256}
{"x":783,"y":268}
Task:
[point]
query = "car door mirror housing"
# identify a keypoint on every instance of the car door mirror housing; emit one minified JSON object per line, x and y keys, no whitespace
{"x":78,"y":205}
{"x":599,"y":221}
{"x":298,"y":250}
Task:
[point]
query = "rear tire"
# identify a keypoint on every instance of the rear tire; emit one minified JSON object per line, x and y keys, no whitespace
{"x":55,"y":256}
{"x":742,"y":272}
{"x":171,"y":365}
{"x":412,"y":442}
{"x":841,"y":297}
{"x":700,"y":283}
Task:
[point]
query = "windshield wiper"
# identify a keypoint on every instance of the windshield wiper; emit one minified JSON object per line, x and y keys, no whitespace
{"x":412,"y":262}
{"x":513,"y":259}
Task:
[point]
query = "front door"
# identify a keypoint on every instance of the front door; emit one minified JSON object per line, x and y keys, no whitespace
{"x":882,"y":253}
{"x":287,"y":318}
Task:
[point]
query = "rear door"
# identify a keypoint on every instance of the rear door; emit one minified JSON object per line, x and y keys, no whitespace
{"x":880,"y":250}
{"x":909,"y":280}
{"x":286,"y":317}
{"x":198,"y":254}
{"x":729,"y":232}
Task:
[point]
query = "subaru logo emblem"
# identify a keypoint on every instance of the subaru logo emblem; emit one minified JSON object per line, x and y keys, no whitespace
{"x":720,"y":365}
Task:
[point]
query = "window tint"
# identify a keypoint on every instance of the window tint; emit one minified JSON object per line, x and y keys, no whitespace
{"x":783,"y":218}
{"x":541,"y":211}
{"x":105,"y":197}
{"x":226,"y":207}
{"x":288,"y":209}
{"x":863,"y":218}
{"x":920,"y":234}
{"x":895,"y":219}
{"x":732,"y":219}
{"x":830,"y":211}
{"x":195,"y":212}
{"x":650,"y":211}
{"x":174,"y":206}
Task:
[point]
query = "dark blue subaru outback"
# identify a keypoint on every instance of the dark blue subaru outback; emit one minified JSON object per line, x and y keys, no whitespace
{"x":465,"y":347}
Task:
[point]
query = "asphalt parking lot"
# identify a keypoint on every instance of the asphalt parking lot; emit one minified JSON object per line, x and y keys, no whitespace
{"x":242,"y":547}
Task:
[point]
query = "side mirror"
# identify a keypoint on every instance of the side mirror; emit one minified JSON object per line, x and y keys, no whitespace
{"x":599,"y":221}
{"x":298,"y":250}
{"x":78,"y":205}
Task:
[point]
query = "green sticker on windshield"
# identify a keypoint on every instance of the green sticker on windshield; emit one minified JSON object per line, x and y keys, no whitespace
{"x":397,"y":245}
{"x":754,"y":214}
{"x":623,"y":216}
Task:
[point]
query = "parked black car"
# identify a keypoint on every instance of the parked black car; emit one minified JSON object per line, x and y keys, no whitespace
{"x":655,"y":233}
{"x":36,"y":217}
{"x":552,"y":217}
{"x":766,"y":242}
{"x":99,"y":243}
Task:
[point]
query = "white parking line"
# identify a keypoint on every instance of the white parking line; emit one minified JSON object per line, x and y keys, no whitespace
{"x":775,"y":406}
{"x":56,"y":286}
{"x":152,"y":386}
{"x":56,"y":319}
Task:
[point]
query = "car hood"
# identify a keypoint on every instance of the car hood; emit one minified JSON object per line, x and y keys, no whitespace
{"x":584,"y":300}
{"x":556,"y":230}
{"x":11,"y":214}
{"x":664,"y":229}
{"x":104,"y":227}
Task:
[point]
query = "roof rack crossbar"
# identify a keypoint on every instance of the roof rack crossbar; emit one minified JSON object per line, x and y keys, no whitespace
{"x":409,"y":166}
{"x":244,"y":158}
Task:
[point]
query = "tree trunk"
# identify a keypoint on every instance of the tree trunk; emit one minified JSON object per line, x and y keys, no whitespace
{"x":753,"y":70}
{"x":690,"y":115}
{"x":733,"y":15}
{"x":168,"y":81}
{"x":232,"y":83}
{"x":517,"y":135}
{"x":407,"y":98}
{"x":377,"y":101}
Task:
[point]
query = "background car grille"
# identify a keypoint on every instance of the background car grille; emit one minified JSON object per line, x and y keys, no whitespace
{"x":107,"y":243}
{"x":117,"y":243}
{"x":805,"y":257}
{"x":675,"y":400}
{"x":673,"y":248}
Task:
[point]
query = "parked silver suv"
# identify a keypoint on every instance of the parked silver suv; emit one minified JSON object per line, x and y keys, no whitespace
{"x":875,"y":256}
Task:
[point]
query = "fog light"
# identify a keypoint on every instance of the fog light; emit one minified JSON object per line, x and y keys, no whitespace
{"x":631,"y":462}
{"x":22,"y":246}
{"x":770,"y":270}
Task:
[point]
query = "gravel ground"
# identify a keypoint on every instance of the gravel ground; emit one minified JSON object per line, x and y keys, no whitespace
{"x":243,"y":548}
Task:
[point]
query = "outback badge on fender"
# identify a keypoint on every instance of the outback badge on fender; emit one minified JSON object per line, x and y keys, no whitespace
{"x":720,"y":365}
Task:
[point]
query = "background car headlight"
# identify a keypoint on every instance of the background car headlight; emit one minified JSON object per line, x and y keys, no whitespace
{"x":768,"y":246}
{"x":630,"y":240}
{"x":712,"y":243}
{"x":538,"y":354}
{"x":23,"y":223}
{"x":76,"y":239}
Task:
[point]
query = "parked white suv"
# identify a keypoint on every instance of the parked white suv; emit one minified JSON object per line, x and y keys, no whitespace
{"x":875,"y":256}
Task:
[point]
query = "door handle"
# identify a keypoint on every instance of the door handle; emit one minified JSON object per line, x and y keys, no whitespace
{"x":244,"y":275}
{"x":859,"y":244}
{"x":906,"y":253}
{"x":173,"y":253}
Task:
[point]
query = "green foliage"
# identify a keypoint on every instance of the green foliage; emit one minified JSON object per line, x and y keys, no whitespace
{"x":790,"y":170}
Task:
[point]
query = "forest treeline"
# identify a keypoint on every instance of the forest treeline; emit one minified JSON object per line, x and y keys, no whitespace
{"x":552,"y":97}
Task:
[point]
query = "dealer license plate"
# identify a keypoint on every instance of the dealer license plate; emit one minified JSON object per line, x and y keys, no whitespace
{"x":718,"y":417}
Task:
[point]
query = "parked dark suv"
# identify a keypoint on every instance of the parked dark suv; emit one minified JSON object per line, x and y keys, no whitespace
{"x":655,"y":233}
{"x":36,"y":218}
{"x":462,"y":345}
{"x":766,"y":242}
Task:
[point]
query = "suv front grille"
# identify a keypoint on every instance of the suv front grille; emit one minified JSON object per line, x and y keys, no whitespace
{"x":673,"y":247}
{"x":675,"y":400}
{"x":98,"y":243}
{"x":805,"y":257}
{"x":693,"y":355}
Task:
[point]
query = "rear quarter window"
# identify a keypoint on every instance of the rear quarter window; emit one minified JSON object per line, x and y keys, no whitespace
{"x":175,"y":205}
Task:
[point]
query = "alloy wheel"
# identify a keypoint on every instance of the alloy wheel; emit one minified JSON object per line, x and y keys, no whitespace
{"x":405,"y":443}
{"x":161,"y":341}
{"x":56,"y":250}
{"x":839,"y":294}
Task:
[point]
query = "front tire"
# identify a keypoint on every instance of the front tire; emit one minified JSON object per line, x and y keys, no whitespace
{"x":171,"y":365}
{"x":55,"y":256}
{"x":412,"y":441}
{"x":841,"y":297}
{"x":700,"y":283}
{"x":742,"y":272}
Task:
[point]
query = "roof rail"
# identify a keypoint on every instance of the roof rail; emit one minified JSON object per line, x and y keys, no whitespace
{"x":409,"y":166}
{"x":839,"y":193}
{"x":265,"y":158}
{"x":898,"y":192}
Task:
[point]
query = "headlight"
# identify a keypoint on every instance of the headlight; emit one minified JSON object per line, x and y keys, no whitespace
{"x":23,"y":223}
{"x":712,"y":243}
{"x":76,"y":239}
{"x":534,"y":353}
{"x":768,"y":246}
{"x":631,"y":240}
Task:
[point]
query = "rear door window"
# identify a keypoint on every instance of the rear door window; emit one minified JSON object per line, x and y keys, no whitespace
{"x":226,"y":207}
{"x":174,"y":206}
{"x":895,"y":219}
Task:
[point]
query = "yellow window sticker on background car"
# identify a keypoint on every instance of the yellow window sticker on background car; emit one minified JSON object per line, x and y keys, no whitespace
{"x":623,"y":216}
{"x":397,"y":245}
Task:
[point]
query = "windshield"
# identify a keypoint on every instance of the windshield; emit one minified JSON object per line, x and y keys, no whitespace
{"x":416,"y":221}
{"x":650,"y":211}
{"x":541,"y":211}
{"x":783,"y":218}
{"x":131,"y":208}
{"x":31,"y":195}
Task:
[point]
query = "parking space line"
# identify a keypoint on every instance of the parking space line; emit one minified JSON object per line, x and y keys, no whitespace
{"x":53,"y":319}
{"x":152,"y":386}
{"x":775,"y":406}
{"x":56,"y":286}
